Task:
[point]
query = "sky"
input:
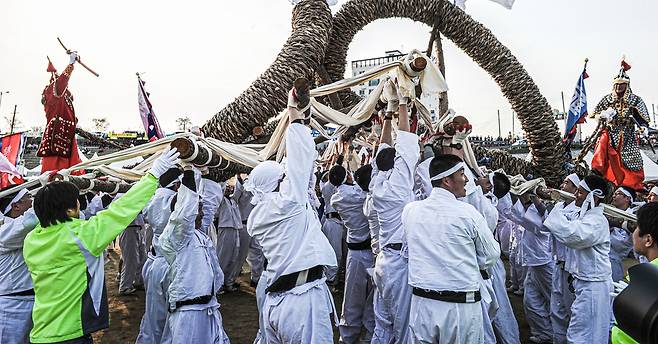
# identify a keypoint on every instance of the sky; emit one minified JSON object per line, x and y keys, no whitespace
{"x":197,"y":56}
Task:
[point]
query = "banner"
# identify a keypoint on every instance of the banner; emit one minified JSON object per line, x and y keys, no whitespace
{"x":577,"y":109}
{"x":151,"y":125}
{"x":11,"y":147}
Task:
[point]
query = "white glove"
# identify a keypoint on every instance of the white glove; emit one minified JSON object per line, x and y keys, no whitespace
{"x":619,"y":287}
{"x":44,"y":178}
{"x":461,"y":136}
{"x":608,"y":114}
{"x":390,"y":95}
{"x":292,"y":101}
{"x":168,"y":159}
{"x":73,"y":56}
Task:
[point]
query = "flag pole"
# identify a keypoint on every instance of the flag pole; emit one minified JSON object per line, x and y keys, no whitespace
{"x":499,"y":132}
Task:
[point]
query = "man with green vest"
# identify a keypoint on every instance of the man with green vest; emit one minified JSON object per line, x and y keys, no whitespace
{"x":65,"y":256}
{"x":645,"y":242}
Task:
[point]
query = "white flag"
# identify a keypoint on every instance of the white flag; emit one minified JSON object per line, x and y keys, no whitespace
{"x":8,"y":167}
{"x":505,"y":3}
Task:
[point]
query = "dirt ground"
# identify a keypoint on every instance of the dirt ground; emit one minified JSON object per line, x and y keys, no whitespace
{"x":238,"y":310}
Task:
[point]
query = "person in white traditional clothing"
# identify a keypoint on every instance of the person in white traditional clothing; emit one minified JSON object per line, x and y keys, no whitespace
{"x":194,"y":275}
{"x":653,"y":195}
{"x":589,"y":238}
{"x":228,"y":238}
{"x":357,"y":303}
{"x":504,"y":323}
{"x":392,"y":188}
{"x":333,"y":229}
{"x":298,"y":305}
{"x":254,"y":253}
{"x":621,"y":238}
{"x":517,"y":270}
{"x":133,"y":256}
{"x":449,"y":244}
{"x":156,"y":215}
{"x":530,"y":213}
{"x":16,"y":292}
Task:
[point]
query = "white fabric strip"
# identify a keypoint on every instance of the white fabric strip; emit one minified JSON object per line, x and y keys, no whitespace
{"x":574,"y":179}
{"x":449,"y":171}
{"x":589,"y":200}
{"x":16,"y":198}
{"x":625,"y":192}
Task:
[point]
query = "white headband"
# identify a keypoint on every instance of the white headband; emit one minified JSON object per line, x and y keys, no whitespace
{"x":574,"y":179}
{"x":625,"y":192}
{"x":449,"y":171}
{"x":598,"y":193}
{"x":16,"y":198}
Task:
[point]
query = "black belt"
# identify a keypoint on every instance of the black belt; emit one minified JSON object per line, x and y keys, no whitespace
{"x":29,"y":292}
{"x":290,"y":281}
{"x":201,"y":300}
{"x":333,"y":215}
{"x":485,"y":274}
{"x":360,"y":246}
{"x":449,"y":296}
{"x":244,"y":222}
{"x":560,"y":264}
{"x":396,"y":246}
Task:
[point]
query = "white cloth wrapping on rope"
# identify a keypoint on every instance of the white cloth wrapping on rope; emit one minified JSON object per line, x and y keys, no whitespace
{"x":430,"y":79}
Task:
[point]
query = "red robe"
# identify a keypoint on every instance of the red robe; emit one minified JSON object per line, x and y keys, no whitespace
{"x":607,"y":160}
{"x":59,"y":148}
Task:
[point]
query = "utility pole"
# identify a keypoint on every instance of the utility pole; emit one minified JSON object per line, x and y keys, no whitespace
{"x":513,"y":136}
{"x":653,"y":111}
{"x":564,"y":109}
{"x":500,"y":135}
{"x":13,"y":119}
{"x":1,"y":93}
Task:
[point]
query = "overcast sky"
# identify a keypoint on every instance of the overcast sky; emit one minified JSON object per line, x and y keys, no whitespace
{"x":199,"y":55}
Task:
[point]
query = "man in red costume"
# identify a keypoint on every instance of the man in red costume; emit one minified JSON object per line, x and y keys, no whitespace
{"x":58,"y":148}
{"x":617,"y":154}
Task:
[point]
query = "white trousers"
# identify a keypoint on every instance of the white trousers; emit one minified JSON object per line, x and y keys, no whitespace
{"x":382,"y":333}
{"x":391,"y":277}
{"x":261,"y":336}
{"x":133,"y":254}
{"x":228,"y":250}
{"x":333,"y":230}
{"x":302,"y":315}
{"x":433,"y":322}
{"x":517,"y":271}
{"x":256,"y":260}
{"x":537,"y":300}
{"x":358,"y":300}
{"x":504,"y":323}
{"x":561,"y":300}
{"x":195,"y":326}
{"x":489,"y":306}
{"x":590,"y":313}
{"x":243,"y":250}
{"x":156,"y":307}
{"x":15,"y":319}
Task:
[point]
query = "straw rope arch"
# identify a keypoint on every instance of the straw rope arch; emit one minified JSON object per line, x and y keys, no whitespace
{"x":314,"y":32}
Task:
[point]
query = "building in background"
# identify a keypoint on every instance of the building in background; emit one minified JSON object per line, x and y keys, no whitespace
{"x":363,"y":90}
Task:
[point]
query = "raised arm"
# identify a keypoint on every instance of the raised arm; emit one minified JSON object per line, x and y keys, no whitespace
{"x":13,"y":231}
{"x":487,"y":248}
{"x":211,"y":197}
{"x":97,"y":232}
{"x":180,"y":227}
{"x":579,"y":233}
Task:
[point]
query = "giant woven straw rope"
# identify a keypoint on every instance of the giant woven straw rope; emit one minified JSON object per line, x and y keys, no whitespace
{"x":314,"y":32}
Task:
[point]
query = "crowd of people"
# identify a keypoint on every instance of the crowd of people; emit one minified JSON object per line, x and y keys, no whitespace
{"x":419,"y":234}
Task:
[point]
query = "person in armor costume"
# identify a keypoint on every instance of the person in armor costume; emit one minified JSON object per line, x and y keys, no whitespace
{"x":58,"y":148}
{"x":617,"y":153}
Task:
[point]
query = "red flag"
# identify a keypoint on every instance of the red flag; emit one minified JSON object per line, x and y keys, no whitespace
{"x":625,"y":65}
{"x":11,"y":147}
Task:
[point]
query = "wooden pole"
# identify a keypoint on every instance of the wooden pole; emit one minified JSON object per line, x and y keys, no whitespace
{"x":204,"y":155}
{"x":13,"y":120}
{"x":96,"y":185}
{"x":435,"y":44}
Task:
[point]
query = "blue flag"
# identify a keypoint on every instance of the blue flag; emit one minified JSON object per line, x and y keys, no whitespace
{"x":577,"y":109}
